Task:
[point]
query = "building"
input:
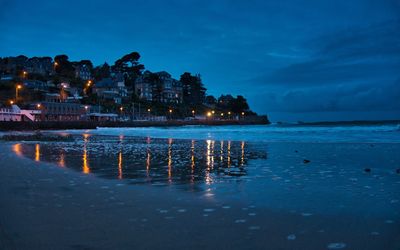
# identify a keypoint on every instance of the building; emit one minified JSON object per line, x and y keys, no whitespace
{"x":39,"y":65}
{"x":82,"y":71}
{"x":171,"y":88}
{"x":61,"y":111}
{"x":111,"y":89}
{"x":37,"y":85}
{"x":102,"y":117}
{"x":144,"y":87}
{"x":16,"y":114}
{"x":158,"y":86}
{"x":12,"y":65}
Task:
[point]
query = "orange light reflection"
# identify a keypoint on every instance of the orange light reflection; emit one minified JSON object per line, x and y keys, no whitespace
{"x":37,"y":152}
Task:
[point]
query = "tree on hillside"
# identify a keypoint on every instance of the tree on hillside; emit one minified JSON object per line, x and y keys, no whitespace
{"x":193,"y":89}
{"x":210,"y":100}
{"x":129,"y":65}
{"x":64,"y":67}
{"x":101,"y":72}
{"x":88,"y":64}
{"x":225,"y":101}
{"x":239,"y":104}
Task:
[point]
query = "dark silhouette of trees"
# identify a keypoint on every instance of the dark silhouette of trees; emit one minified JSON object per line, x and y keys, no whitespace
{"x":63,"y":67}
{"x":211,"y":100}
{"x":129,"y":65}
{"x":193,"y":89}
{"x":101,"y":72}
{"x":240,"y":104}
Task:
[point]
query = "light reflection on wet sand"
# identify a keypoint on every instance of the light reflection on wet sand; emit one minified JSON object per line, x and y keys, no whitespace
{"x":144,"y":160}
{"x":85,"y":165}
{"x":37,"y":152}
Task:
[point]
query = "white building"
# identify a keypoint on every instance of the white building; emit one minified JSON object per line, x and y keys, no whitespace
{"x":16,"y":114}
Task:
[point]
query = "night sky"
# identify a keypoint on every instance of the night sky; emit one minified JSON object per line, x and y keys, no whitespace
{"x":294,"y":60}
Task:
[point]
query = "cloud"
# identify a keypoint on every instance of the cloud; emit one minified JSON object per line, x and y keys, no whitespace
{"x":358,"y":97}
{"x":355,"y":54}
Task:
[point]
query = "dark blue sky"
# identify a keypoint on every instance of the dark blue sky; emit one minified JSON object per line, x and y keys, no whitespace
{"x":295,"y":60}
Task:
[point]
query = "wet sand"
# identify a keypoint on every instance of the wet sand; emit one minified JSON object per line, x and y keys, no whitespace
{"x":45,"y":206}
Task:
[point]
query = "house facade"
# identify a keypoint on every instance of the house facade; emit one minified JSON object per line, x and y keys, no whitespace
{"x":159,"y":86}
{"x":39,"y":65}
{"x":111,"y":89}
{"x":82,"y":71}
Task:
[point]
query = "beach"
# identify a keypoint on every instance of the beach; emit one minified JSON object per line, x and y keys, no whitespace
{"x":108,"y":190}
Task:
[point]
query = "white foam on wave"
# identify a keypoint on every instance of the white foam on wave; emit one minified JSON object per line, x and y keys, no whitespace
{"x":263,"y":133}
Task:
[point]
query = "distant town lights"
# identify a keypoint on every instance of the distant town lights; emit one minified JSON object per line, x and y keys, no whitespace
{"x":209,"y":114}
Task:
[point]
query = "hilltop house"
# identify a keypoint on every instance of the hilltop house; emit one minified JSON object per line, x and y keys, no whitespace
{"x":39,"y":65}
{"x":82,"y":71}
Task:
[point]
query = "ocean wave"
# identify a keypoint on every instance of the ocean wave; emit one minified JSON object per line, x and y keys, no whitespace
{"x":258,"y":133}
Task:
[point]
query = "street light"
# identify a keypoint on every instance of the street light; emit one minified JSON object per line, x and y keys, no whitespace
{"x":38,"y":105}
{"x":193,"y":112}
{"x":170,"y":111}
{"x":148,"y":112}
{"x":18,"y":87}
{"x":11,"y":102}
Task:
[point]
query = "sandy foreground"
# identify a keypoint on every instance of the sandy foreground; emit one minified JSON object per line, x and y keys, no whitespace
{"x":44,"y":206}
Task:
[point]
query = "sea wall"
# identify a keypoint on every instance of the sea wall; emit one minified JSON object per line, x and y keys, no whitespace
{"x":56,"y":125}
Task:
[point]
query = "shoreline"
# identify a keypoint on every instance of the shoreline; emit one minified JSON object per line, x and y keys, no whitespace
{"x":61,"y":125}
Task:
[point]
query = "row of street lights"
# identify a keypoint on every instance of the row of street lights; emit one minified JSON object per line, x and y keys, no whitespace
{"x":208,"y":114}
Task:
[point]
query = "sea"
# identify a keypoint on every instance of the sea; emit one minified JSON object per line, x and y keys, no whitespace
{"x":356,"y":132}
